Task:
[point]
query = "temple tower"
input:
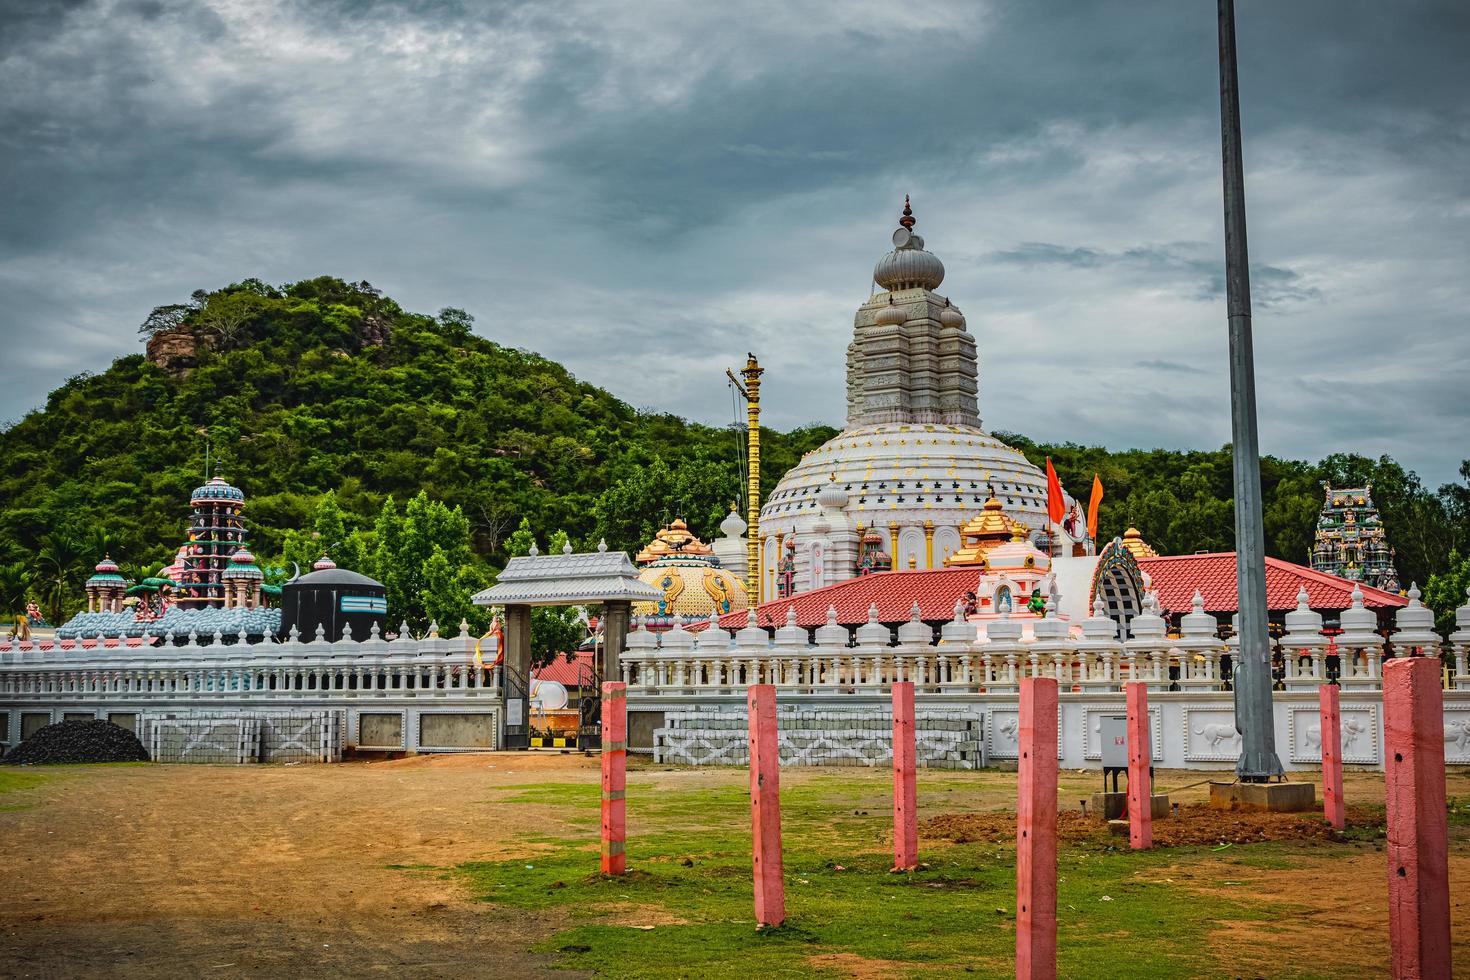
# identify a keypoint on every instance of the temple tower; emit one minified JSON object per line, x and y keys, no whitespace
{"x":216,"y":532}
{"x":1351,"y":540}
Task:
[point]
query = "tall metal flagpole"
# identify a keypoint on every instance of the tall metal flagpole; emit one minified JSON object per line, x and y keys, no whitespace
{"x":1254,"y":717}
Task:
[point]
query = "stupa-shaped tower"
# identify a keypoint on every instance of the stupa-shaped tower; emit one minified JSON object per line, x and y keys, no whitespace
{"x":913,"y":464}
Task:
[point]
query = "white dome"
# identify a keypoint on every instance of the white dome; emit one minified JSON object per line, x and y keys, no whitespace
{"x":909,"y":473}
{"x":909,"y":268}
{"x":952,"y":318}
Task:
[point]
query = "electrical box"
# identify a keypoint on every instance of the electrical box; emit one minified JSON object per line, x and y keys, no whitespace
{"x":1114,"y":731}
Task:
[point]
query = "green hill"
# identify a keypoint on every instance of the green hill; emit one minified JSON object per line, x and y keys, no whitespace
{"x":324,"y":385}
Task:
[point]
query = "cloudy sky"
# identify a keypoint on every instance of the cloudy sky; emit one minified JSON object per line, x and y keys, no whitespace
{"x":646,"y":190}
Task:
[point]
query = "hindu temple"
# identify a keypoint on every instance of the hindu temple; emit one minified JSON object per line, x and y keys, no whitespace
{"x":895,"y":488}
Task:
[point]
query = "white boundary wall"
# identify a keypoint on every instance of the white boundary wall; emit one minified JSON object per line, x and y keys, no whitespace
{"x":393,"y":687}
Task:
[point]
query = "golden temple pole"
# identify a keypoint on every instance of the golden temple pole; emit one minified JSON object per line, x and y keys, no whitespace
{"x":752,"y":392}
{"x":928,"y":544}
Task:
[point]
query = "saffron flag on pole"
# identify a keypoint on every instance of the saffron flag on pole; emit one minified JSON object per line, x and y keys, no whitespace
{"x":1092,"y":506}
{"x":1056,"y":501}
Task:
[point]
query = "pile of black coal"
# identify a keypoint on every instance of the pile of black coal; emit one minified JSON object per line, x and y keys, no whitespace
{"x":78,"y":741}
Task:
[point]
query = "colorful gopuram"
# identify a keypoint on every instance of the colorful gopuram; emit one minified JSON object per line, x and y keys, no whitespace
{"x":913,"y":464}
{"x":1351,"y":540}
{"x":691,"y":575}
{"x":216,"y":532}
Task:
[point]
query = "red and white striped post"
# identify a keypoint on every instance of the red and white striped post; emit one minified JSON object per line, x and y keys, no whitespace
{"x":905,"y":793}
{"x":1036,"y":832}
{"x":1140,"y":784}
{"x":614,"y":777}
{"x":1418,"y":832}
{"x":765,"y":807}
{"x":1330,"y":713}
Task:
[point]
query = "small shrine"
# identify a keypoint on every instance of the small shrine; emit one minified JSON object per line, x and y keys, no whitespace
{"x":106,"y":589}
{"x":1351,"y":541}
{"x":691,"y":576}
{"x":985,"y":531}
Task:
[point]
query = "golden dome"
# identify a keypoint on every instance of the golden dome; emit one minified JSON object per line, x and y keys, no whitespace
{"x":989,"y":528}
{"x":693,"y":587}
{"x":676,"y":539}
{"x":1137,"y":547}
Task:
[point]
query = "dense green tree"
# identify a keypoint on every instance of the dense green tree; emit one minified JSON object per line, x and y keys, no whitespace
{"x":1448,"y":590}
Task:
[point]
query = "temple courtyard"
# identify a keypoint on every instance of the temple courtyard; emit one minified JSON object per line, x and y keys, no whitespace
{"x":484,"y":865}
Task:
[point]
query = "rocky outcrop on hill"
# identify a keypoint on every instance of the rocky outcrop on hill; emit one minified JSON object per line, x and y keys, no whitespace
{"x":175,"y":351}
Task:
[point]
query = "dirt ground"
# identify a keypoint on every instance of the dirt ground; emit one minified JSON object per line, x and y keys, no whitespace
{"x":268,"y":871}
{"x":308,"y":870}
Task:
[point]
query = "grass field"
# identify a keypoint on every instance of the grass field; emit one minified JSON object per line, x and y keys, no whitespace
{"x":685,"y":907}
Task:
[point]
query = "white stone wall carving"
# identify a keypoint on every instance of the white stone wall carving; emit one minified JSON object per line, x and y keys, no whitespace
{"x":1361,"y":734}
{"x":1209,"y":733}
{"x":1003,"y":733}
{"x":1457,"y":734}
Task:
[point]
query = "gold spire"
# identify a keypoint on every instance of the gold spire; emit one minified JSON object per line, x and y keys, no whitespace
{"x":984,"y":531}
{"x":1139,"y":548}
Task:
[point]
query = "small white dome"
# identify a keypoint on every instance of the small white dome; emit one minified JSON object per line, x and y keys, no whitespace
{"x":832,"y":496}
{"x":733,"y":525}
{"x":952,"y":318}
{"x":890,"y":315}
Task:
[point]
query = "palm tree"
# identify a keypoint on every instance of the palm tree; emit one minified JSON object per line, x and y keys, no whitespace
{"x":61,"y":559}
{"x":15,"y":585}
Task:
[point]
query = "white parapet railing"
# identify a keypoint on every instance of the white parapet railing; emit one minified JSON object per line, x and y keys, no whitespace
{"x":682,"y":670}
{"x":405,"y":694}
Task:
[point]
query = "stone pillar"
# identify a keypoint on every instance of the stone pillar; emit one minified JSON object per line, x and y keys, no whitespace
{"x":1329,"y":712}
{"x":893,"y":544}
{"x":1140,"y":789}
{"x":765,"y":807}
{"x":1418,"y":835}
{"x":616,"y":621}
{"x":614,"y":777}
{"x":1036,"y":831}
{"x":905,"y":794}
{"x":518,"y":669}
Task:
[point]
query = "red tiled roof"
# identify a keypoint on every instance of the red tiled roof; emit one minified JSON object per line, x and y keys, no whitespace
{"x":936,"y":590}
{"x":1175,"y":577}
{"x":567,"y":669}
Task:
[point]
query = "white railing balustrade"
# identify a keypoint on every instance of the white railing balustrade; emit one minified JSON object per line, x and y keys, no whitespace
{"x":314,"y":669}
{"x":1085,"y":657}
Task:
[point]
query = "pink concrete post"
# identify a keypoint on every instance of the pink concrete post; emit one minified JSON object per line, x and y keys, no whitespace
{"x":1036,"y":832}
{"x":1329,"y":711}
{"x":765,"y":807}
{"x":1140,"y":788}
{"x":1418,"y":835}
{"x":905,"y":794}
{"x":614,"y":777}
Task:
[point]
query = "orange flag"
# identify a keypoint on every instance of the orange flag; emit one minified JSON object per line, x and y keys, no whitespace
{"x":1092,"y":507}
{"x":1056,"y":501}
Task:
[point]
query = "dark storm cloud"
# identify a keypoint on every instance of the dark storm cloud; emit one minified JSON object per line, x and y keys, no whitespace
{"x":648,"y":190}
